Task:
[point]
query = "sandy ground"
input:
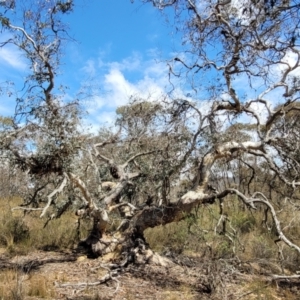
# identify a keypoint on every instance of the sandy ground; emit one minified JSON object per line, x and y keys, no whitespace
{"x":41,"y":274}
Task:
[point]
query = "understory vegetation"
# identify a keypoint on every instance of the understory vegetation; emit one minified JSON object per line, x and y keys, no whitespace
{"x":249,"y":243}
{"x":249,"y":237}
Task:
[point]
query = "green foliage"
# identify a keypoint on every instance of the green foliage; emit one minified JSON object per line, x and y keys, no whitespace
{"x":249,"y":240}
{"x":222,"y":249}
{"x":244,"y":222}
{"x":21,"y":234}
{"x":4,"y":21}
{"x":171,"y":236}
{"x":65,"y":7}
{"x":57,"y":235}
{"x":141,"y":109}
{"x":13,"y":230}
{"x":263,"y":247}
{"x":6,"y":123}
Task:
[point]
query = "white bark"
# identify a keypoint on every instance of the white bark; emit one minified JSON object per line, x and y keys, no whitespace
{"x":51,"y":195}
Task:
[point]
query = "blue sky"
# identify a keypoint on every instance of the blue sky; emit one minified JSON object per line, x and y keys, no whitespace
{"x":119,"y":51}
{"x":118,"y":27}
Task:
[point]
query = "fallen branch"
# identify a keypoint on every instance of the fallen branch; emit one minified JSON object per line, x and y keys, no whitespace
{"x":109,"y":276}
{"x":287,"y":277}
{"x":26,"y":208}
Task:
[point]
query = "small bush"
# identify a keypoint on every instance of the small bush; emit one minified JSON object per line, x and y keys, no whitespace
{"x":11,"y":287}
{"x":223,"y":249}
{"x":172,"y":236}
{"x":40,"y":288}
{"x":13,"y":230}
{"x":244,"y":222}
{"x":291,"y":259}
{"x":57,"y":235}
{"x":21,"y":233}
{"x":261,"y":248}
{"x":260,"y":290}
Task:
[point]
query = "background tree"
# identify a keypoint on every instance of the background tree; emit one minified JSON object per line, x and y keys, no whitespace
{"x":43,"y":137}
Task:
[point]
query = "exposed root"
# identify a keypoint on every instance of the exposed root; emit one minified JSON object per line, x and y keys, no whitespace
{"x":135,"y":255}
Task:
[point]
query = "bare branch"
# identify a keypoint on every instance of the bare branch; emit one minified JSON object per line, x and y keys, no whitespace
{"x":51,"y":195}
{"x":111,"y":208}
{"x":25,"y":34}
{"x":285,"y":277}
{"x":281,"y":235}
{"x":81,"y":185}
{"x":123,"y":166}
{"x":276,"y":169}
{"x":27,"y":208}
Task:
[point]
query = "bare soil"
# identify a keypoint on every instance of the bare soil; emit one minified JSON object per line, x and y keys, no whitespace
{"x":40,"y":275}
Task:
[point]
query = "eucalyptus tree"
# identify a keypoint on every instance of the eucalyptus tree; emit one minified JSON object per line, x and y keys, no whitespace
{"x":42,"y":138}
{"x":242,"y":58}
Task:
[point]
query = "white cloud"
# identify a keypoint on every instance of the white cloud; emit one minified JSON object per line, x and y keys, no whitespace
{"x":90,"y":68}
{"x":12,"y":57}
{"x":106,"y":118}
{"x":131,"y":63}
{"x":121,"y":81}
{"x":117,"y":89}
{"x":95,"y":122}
{"x":289,"y":61}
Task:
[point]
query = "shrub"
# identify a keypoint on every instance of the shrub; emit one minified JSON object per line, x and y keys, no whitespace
{"x":13,"y":230}
{"x":243,"y":222}
{"x":172,"y":236}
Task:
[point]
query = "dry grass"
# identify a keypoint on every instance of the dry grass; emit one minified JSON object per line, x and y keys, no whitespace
{"x":247,"y":237}
{"x":21,"y":233}
{"x":17,"y":285}
{"x":171,"y":235}
{"x":11,"y":285}
{"x":259,"y":290}
{"x":40,"y":287}
{"x":184,"y":292}
{"x":251,"y":240}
